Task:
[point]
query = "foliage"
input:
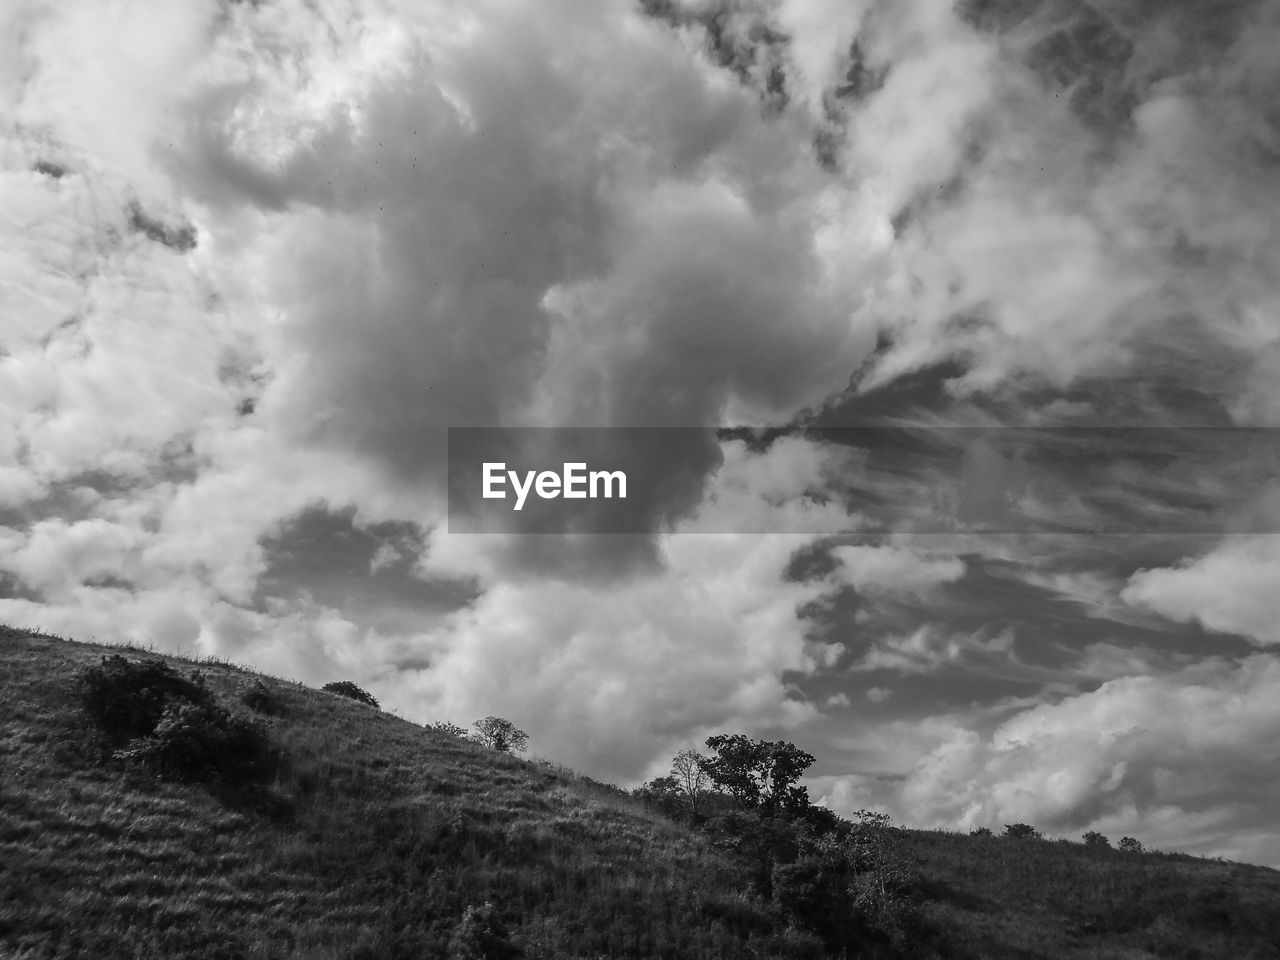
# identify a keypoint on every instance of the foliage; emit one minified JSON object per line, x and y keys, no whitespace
{"x":261,"y":698}
{"x":452,"y":729}
{"x":1129,"y":845}
{"x":173,"y":724}
{"x":346,"y":688}
{"x":126,"y":698}
{"x":1021,"y":831}
{"x":1094,"y":840}
{"x":501,"y":734}
{"x":884,"y":885}
{"x":980,"y":832}
{"x":481,"y":935}
{"x":662,"y":794}
{"x":758,"y":773}
{"x":688,"y":771}
{"x":204,"y":742}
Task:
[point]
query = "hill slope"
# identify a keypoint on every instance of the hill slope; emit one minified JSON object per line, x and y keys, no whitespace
{"x":382,"y":835}
{"x":377,"y":838}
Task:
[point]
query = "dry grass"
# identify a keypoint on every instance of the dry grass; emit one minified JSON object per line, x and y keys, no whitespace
{"x":380,"y":835}
{"x":377,"y":834}
{"x":1043,"y":899}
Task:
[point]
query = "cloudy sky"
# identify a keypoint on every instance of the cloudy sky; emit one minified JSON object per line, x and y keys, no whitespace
{"x":256,"y":258}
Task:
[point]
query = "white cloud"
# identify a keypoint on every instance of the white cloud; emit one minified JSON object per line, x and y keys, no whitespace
{"x":1147,"y":756}
{"x":416,"y":216}
{"x":895,"y":569}
{"x":1231,"y":589}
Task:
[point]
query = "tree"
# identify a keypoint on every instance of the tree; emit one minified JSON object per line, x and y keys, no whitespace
{"x":345,"y":688}
{"x":481,"y":935}
{"x":758,"y":773}
{"x":662,"y":794}
{"x":1130,"y":845}
{"x":1094,"y":840}
{"x":501,"y":735}
{"x":1021,"y":831}
{"x":690,"y":777}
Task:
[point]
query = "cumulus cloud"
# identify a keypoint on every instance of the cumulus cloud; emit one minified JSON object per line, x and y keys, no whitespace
{"x":1230,"y":589}
{"x":256,"y":258}
{"x":1146,"y":756}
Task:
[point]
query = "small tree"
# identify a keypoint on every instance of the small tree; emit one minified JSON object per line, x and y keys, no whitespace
{"x":1093,"y":840}
{"x":345,"y":688}
{"x":691,"y":778}
{"x":481,"y":935}
{"x":1129,"y":845}
{"x":663,"y":794}
{"x":1021,"y":831}
{"x":501,"y":734}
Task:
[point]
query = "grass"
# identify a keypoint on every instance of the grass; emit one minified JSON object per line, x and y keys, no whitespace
{"x":382,"y":834}
{"x":1049,"y":899}
{"x":375,"y":836}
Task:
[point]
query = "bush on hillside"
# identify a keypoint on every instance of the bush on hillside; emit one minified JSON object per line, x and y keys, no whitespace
{"x":452,"y":729}
{"x":482,"y":936}
{"x":204,"y":742}
{"x":1093,"y":840}
{"x":261,"y":698}
{"x":1021,"y":831}
{"x":1129,"y":845}
{"x":345,"y":688}
{"x":173,"y":724}
{"x":126,"y":699}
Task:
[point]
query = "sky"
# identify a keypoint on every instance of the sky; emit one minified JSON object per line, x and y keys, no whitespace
{"x":258,"y":258}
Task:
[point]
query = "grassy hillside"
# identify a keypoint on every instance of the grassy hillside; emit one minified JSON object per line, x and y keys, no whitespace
{"x":373,"y":837}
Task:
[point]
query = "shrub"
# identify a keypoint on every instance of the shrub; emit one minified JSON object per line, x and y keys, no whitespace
{"x":481,"y":936}
{"x":261,"y":698}
{"x":1096,"y":841}
{"x":346,"y":688}
{"x":1021,"y":831}
{"x":980,"y":832}
{"x":452,"y":729}
{"x":1129,"y":845}
{"x":126,"y":698}
{"x":204,"y":742}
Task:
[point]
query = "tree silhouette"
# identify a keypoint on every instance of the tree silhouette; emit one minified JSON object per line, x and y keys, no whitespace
{"x":758,"y":773}
{"x":501,"y":734}
{"x":690,"y":777}
{"x":345,"y":688}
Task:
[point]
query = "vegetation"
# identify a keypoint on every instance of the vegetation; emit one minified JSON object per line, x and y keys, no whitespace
{"x":449,"y":729}
{"x":345,"y":688}
{"x":502,"y":735}
{"x":390,"y":840}
{"x":1021,"y":831}
{"x":1096,"y":841}
{"x":259,"y":697}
